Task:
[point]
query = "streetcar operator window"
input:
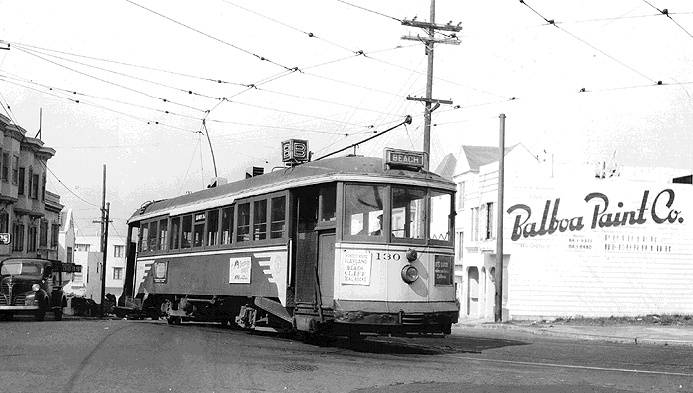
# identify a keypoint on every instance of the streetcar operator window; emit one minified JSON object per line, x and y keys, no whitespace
{"x":408,"y":219}
{"x":243,"y":232}
{"x":186,"y":238}
{"x":212,"y":227}
{"x":441,"y":217}
{"x":226,"y":225}
{"x":175,"y":233}
{"x":260,"y":220}
{"x":278,"y":217}
{"x":328,"y":203}
{"x":199,"y":229}
{"x":364,"y":211}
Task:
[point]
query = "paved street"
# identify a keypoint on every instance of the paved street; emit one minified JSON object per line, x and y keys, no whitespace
{"x":151,"y":356}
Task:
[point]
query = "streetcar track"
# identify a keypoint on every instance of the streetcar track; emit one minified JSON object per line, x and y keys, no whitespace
{"x":571,"y":366}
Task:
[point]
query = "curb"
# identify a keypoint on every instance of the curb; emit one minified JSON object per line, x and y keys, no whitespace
{"x":540,"y":331}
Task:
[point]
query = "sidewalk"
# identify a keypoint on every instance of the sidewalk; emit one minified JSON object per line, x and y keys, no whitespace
{"x":652,"y":334}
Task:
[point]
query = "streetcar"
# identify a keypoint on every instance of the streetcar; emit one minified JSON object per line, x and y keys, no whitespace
{"x":338,"y":246}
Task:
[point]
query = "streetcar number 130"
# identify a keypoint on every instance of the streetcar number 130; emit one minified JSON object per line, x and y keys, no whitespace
{"x":386,"y":256}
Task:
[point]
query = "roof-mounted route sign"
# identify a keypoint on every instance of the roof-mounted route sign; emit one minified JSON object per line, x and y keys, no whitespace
{"x":403,"y":159}
{"x":295,"y":151}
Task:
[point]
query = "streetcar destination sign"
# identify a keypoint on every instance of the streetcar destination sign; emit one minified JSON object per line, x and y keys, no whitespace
{"x":406,"y":158}
{"x":5,"y":238}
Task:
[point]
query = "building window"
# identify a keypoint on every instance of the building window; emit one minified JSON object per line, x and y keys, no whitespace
{"x":117,"y":273}
{"x":31,"y":245}
{"x":34,"y":186}
{"x":69,"y":256}
{"x":43,"y":186}
{"x":118,"y":251}
{"x":55,"y":233}
{"x":475,"y":224}
{"x":43,"y":234}
{"x":4,"y":222}
{"x":82,"y":247}
{"x":5,"y":167}
{"x":15,"y":169}
{"x":20,"y":186}
{"x":460,"y":196}
{"x":489,"y":221}
{"x":18,"y":235}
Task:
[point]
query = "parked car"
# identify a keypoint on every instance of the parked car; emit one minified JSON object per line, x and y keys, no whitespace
{"x":33,"y":286}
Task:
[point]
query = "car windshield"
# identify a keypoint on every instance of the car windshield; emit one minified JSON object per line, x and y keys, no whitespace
{"x":20,"y":267}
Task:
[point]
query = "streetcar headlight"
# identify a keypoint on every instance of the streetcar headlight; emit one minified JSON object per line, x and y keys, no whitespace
{"x":410,"y":274}
{"x":35,"y":287}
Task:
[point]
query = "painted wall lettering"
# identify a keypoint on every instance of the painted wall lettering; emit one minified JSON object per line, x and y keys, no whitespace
{"x":659,"y":209}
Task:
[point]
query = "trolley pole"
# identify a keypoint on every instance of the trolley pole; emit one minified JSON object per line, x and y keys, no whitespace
{"x":499,"y":219}
{"x":429,"y":40}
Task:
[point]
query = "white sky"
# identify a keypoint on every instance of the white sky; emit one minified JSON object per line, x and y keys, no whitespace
{"x":506,"y":51}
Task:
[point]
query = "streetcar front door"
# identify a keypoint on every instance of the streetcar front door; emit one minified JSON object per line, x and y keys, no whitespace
{"x":326,"y":266}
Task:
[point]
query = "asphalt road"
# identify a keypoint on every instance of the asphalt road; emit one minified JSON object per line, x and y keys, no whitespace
{"x":151,"y":356}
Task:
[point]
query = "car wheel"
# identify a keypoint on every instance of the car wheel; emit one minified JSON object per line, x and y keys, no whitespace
{"x":58,"y":314}
{"x":40,"y":315}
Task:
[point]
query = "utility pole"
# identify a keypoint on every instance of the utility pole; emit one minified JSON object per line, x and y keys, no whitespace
{"x":429,"y":41}
{"x":499,"y":219}
{"x":105,"y":209}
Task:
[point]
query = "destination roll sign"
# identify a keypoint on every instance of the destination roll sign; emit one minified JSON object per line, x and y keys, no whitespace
{"x":404,"y":158}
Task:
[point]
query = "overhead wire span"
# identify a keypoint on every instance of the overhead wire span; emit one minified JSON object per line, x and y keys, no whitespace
{"x":246,"y":51}
{"x":553,"y":23}
{"x":185,"y":91}
{"x":77,"y":93}
{"x":66,"y":187}
{"x":111,"y":83}
{"x":369,"y":10}
{"x":144,"y":67}
{"x":665,"y":12}
{"x":147,"y":121}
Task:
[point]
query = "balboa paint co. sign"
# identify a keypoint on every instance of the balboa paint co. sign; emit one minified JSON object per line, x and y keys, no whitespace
{"x":658,"y":209}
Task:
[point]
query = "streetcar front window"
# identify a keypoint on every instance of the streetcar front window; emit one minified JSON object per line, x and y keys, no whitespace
{"x":152,"y":236}
{"x":144,"y":237}
{"x":364,"y":211}
{"x":440,"y":226}
{"x":408,"y":220}
{"x":212,"y":227}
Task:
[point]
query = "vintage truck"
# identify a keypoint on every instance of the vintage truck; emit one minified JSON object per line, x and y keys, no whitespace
{"x":33,"y":286}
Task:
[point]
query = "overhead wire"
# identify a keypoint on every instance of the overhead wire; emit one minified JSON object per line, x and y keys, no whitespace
{"x":112,"y":83}
{"x":259,"y":57}
{"x":665,"y":12}
{"x":369,"y":10}
{"x":553,"y":23}
{"x":66,"y":187}
{"x":144,"y":67}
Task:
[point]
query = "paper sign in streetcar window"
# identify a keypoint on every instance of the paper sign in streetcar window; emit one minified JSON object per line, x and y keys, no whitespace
{"x":356,"y":268}
{"x":239,"y":270}
{"x":160,"y":271}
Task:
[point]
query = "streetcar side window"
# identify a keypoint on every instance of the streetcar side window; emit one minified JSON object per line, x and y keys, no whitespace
{"x":175,"y":233}
{"x":440,"y":224}
{"x":186,"y":238}
{"x":144,"y":237}
{"x":260,"y":220}
{"x":408,"y":218}
{"x":363,"y":206}
{"x":199,"y":229}
{"x":163,"y":233}
{"x":226,"y":225}
{"x":243,"y":229}
{"x":212,"y":227}
{"x":278,"y":217}
{"x":152,"y":236}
